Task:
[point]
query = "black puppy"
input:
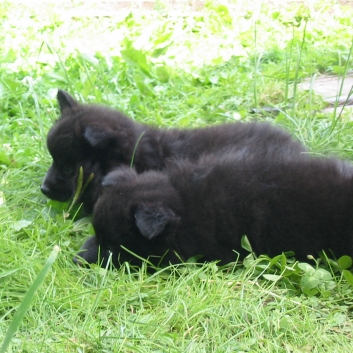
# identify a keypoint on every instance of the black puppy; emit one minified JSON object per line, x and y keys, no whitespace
{"x":303,"y":205}
{"x":100,"y":140}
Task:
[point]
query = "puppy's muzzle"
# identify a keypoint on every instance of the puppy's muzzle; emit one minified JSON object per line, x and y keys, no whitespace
{"x":45,"y":190}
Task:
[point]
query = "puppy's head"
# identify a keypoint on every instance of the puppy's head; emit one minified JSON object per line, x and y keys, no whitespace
{"x":135,"y":217}
{"x":92,"y":137}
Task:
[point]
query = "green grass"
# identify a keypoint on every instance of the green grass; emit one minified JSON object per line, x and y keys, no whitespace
{"x":26,"y":302}
{"x":180,"y":69}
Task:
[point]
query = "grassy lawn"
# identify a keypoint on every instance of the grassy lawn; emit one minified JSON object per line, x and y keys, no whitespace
{"x":168,"y":68}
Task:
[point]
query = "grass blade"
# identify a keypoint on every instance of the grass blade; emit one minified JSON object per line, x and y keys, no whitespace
{"x":26,"y":302}
{"x":133,"y":153}
{"x":79,"y":190}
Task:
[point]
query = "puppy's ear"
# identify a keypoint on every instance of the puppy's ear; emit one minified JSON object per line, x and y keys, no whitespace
{"x":121,"y":175}
{"x":65,"y":100}
{"x":98,"y":136}
{"x":151,"y":219}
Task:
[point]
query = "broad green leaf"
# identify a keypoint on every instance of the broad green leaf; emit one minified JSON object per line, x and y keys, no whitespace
{"x":56,"y":77}
{"x":90,"y":59}
{"x":144,"y":88}
{"x":306,"y":268}
{"x":245,"y":244}
{"x":194,"y":259}
{"x":286,"y":322}
{"x":345,"y":262}
{"x":348,"y":275}
{"x":136,"y":58}
{"x":163,"y":38}
{"x":4,"y":159}
{"x":279,"y":260}
{"x":23,"y":223}
{"x":163,"y":73}
{"x":273,"y":278}
{"x":249,"y":261}
{"x":322,"y":275}
{"x":309,"y":282}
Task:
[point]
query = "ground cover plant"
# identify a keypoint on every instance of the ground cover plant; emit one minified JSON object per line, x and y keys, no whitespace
{"x":169,"y":68}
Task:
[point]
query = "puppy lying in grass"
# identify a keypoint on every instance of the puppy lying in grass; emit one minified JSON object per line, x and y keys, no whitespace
{"x":303,"y":205}
{"x":99,"y":140}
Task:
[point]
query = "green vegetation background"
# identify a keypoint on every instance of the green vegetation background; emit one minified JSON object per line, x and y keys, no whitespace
{"x":168,"y":68}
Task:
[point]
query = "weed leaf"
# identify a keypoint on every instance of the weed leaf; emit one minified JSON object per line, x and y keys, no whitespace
{"x":4,"y":159}
{"x":245,"y":244}
{"x":137,"y":59}
{"x":345,"y":262}
{"x":23,"y":223}
{"x":272,"y":278}
{"x":348,"y":276}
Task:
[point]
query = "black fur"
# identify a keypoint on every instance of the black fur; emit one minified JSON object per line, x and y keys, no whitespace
{"x":101,"y":139}
{"x":303,"y":205}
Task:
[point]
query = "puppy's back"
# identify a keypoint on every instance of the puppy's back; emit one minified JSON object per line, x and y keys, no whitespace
{"x":303,"y":205}
{"x":253,"y":138}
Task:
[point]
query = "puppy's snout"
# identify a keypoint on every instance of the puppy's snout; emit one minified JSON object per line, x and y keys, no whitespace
{"x":57,"y":192}
{"x":45,"y":189}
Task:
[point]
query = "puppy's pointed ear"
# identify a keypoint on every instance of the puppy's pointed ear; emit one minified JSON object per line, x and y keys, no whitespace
{"x":65,"y":100}
{"x":119,"y":176}
{"x":151,"y":219}
{"x":98,"y":136}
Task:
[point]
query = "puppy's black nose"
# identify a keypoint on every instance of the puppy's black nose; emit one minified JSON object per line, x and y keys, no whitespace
{"x":45,"y":190}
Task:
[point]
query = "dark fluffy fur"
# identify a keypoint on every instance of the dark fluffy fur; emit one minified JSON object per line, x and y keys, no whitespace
{"x":303,"y":205}
{"x":101,"y":139}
